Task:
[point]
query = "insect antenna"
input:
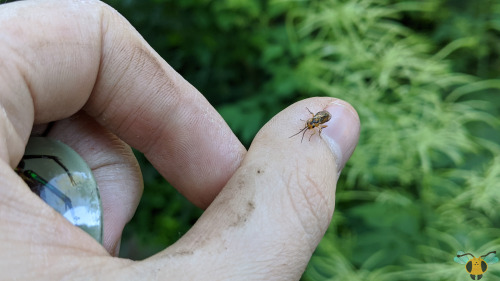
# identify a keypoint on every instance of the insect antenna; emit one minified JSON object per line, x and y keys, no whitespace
{"x":494,"y":252}
{"x":303,"y":136}
{"x":303,"y":130}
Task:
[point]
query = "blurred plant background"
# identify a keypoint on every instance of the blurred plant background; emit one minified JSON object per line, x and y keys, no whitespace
{"x":424,"y":181}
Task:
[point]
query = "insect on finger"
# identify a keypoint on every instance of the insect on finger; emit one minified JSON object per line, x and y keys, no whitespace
{"x":316,"y":121}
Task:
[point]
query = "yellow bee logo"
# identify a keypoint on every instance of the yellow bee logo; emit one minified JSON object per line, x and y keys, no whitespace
{"x":476,"y":266}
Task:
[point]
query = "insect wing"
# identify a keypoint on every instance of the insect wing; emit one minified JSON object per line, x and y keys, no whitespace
{"x":491,"y":258}
{"x":324,"y":116}
{"x":459,"y":258}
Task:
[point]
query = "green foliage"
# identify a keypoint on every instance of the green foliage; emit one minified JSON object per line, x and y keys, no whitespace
{"x":164,"y":215}
{"x":423,"y":182}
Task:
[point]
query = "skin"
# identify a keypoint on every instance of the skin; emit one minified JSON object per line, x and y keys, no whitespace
{"x":81,"y":64}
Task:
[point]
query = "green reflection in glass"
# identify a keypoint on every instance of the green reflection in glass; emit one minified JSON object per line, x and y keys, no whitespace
{"x":62,"y":179}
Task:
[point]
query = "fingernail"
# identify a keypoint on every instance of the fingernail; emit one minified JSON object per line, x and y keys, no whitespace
{"x":342,"y":133}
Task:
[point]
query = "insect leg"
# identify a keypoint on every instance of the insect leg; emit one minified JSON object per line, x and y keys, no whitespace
{"x":321,"y":128}
{"x":303,"y":135}
{"x":314,"y":132}
{"x":310,"y":111}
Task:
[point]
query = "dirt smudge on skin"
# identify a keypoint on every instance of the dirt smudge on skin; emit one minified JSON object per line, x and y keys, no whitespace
{"x":236,"y":201}
{"x":183,"y":252}
{"x":241,"y":218}
{"x":232,"y":208}
{"x":235,"y":204}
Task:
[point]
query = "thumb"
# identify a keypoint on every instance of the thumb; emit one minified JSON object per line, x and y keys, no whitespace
{"x":271,"y":215}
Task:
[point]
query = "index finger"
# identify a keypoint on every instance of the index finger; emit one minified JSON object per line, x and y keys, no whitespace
{"x":59,"y":57}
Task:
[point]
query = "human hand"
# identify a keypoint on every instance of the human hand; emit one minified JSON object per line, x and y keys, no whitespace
{"x":81,"y":64}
